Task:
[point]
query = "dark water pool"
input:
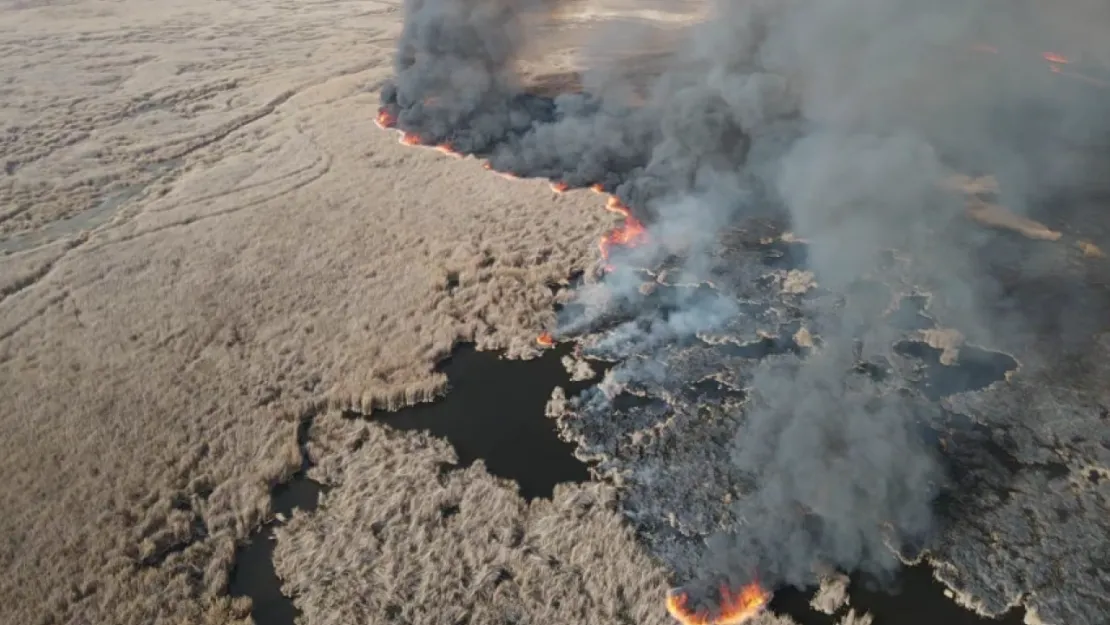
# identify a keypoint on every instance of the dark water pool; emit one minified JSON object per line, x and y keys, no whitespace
{"x":495,"y":412}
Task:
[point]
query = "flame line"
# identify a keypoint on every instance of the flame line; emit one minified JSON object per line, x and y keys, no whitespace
{"x":735,"y":608}
{"x":1056,"y":63}
{"x":630,"y":234}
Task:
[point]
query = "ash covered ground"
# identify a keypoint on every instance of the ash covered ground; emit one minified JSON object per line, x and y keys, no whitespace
{"x":910,"y":440}
{"x":859,"y":316}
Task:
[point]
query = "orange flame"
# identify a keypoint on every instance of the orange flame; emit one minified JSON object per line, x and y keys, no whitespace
{"x":631,"y":234}
{"x":385,"y":120}
{"x":445,"y":148}
{"x":597,"y":188}
{"x":560,"y":187}
{"x":615,"y":205}
{"x":545,"y":340}
{"x":1056,"y":63}
{"x":503,"y":174}
{"x":734,"y":610}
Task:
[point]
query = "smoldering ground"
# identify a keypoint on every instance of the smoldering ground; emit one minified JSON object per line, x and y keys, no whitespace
{"x":839,"y":121}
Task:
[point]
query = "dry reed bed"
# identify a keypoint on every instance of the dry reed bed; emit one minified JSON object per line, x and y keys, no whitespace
{"x":277,"y":253}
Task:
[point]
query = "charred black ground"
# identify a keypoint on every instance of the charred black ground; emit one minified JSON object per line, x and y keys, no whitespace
{"x":813,"y":301}
{"x":913,"y":598}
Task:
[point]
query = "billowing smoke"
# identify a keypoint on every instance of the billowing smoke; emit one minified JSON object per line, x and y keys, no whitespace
{"x":839,"y":118}
{"x":841,"y":474}
{"x":455,"y":80}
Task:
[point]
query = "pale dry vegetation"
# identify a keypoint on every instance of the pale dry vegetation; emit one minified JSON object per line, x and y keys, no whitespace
{"x":404,"y":536}
{"x":257,"y":249}
{"x":396,"y":540}
{"x":832,"y":594}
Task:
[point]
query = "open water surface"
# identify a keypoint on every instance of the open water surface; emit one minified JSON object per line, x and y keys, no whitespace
{"x":494,"y":411}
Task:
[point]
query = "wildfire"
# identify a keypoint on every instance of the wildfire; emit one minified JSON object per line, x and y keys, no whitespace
{"x":385,"y":120}
{"x":631,"y":234}
{"x":1056,"y":63}
{"x":445,"y":148}
{"x":545,"y":340}
{"x":735,"y":608}
{"x":615,"y":205}
{"x":504,"y":174}
{"x":388,"y":121}
{"x":1051,"y":57}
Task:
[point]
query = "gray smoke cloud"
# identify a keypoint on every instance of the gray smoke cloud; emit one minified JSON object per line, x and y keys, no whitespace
{"x":839,"y":118}
{"x":840,"y":474}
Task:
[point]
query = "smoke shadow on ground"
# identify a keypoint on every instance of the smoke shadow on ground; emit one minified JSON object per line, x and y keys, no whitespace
{"x":914,"y":598}
{"x":253,"y":574}
{"x":494,"y":411}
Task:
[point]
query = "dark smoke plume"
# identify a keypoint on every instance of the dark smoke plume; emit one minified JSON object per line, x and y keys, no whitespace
{"x":840,"y":118}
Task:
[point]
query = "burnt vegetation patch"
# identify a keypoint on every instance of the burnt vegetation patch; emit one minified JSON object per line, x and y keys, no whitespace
{"x":888,"y":601}
{"x":761,"y":348}
{"x":786,"y":255}
{"x":710,"y":391}
{"x":841,"y":417}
